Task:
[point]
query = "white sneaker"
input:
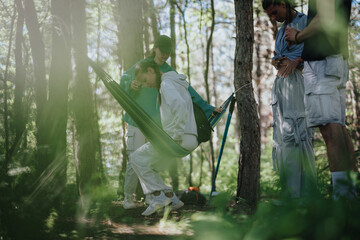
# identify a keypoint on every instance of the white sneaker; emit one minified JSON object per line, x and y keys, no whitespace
{"x":148,"y":198}
{"x":129,"y":202}
{"x":157,"y":203}
{"x":176,"y":203}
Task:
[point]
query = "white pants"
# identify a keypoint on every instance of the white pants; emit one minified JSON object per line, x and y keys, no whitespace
{"x":147,"y":163}
{"x":134,"y":140}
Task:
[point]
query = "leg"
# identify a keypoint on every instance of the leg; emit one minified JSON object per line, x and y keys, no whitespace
{"x":325,"y":102}
{"x":292,"y":138}
{"x":340,"y":158}
{"x":135,"y":139}
{"x":338,"y":147}
{"x":351,"y":150}
{"x":144,"y":161}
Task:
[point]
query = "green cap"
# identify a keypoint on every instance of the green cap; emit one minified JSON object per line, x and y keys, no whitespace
{"x":164,"y":44}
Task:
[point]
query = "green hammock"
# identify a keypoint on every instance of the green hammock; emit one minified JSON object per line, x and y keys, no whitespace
{"x":161,"y":141}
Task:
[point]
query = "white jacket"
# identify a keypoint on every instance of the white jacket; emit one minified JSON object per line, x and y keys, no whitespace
{"x":176,"y":109}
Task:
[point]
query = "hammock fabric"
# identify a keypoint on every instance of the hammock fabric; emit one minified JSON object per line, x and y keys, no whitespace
{"x":161,"y":141}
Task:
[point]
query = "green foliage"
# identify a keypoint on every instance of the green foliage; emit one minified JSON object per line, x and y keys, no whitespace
{"x":308,"y":218}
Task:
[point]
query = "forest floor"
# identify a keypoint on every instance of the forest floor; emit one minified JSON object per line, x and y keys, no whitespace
{"x":131,"y":225}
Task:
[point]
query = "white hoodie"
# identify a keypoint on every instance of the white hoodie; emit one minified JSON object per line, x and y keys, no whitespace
{"x":176,"y":109}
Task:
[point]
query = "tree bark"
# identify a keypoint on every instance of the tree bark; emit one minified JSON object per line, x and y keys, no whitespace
{"x":130,"y":38}
{"x":172,"y":33}
{"x":258,"y":73}
{"x":60,"y":74}
{"x":98,"y":132}
{"x":249,"y":161}
{"x":154,"y":24}
{"x":146,"y":13}
{"x":38,"y":55}
{"x":19,"y":121}
{"x":207,"y":88}
{"x":6,"y":108}
{"x":83,"y":105}
{"x":182,"y":12}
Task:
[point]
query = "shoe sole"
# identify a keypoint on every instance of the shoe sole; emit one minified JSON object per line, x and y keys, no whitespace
{"x":177,"y":206}
{"x":157,"y":208}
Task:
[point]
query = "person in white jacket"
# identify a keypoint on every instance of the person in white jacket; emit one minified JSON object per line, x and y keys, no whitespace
{"x":178,"y":120}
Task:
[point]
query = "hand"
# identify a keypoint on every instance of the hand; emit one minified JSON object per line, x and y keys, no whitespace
{"x":216,"y":111}
{"x":290,"y":35}
{"x":135,"y":85}
{"x":286,"y":67}
{"x":277,"y":62}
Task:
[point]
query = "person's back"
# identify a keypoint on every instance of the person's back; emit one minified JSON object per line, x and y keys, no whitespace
{"x":176,"y":107}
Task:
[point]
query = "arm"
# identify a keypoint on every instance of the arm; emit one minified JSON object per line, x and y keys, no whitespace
{"x":325,"y":19}
{"x":127,"y":79}
{"x":173,"y":99}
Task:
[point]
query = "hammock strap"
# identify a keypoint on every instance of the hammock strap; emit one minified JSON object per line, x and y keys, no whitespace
{"x":231,"y":109}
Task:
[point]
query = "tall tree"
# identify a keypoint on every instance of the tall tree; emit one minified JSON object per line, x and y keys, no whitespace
{"x":154,"y":22}
{"x":83,"y":105}
{"x":6,"y":109}
{"x":19,"y":121}
{"x":182,"y":12}
{"x":207,"y":88}
{"x":130,"y":38}
{"x":249,"y":161}
{"x":60,"y":74}
{"x":98,"y":132}
{"x":38,"y":55}
{"x":173,"y":33}
{"x":173,"y":172}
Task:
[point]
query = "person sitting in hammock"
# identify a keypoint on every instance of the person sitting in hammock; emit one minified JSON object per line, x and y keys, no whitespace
{"x":146,"y":97}
{"x":178,"y":120}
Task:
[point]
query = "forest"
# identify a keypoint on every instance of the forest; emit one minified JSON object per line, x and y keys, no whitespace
{"x":63,"y":153}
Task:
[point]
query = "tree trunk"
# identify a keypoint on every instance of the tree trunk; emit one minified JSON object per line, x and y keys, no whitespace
{"x":38,"y":55}
{"x":146,"y":13}
{"x":154,"y":24}
{"x":4,"y":168}
{"x":172,"y":33}
{"x":186,"y":41}
{"x":98,"y":132}
{"x":249,"y":161}
{"x":60,"y":74}
{"x":173,"y":172}
{"x":207,"y":88}
{"x":258,"y":73}
{"x":19,"y":121}
{"x":130,"y":38}
{"x":83,"y":105}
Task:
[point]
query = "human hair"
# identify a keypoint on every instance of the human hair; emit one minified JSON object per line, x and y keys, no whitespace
{"x":268,"y":3}
{"x":151,"y":53}
{"x":163,"y":43}
{"x":289,"y":6}
{"x":142,"y":67}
